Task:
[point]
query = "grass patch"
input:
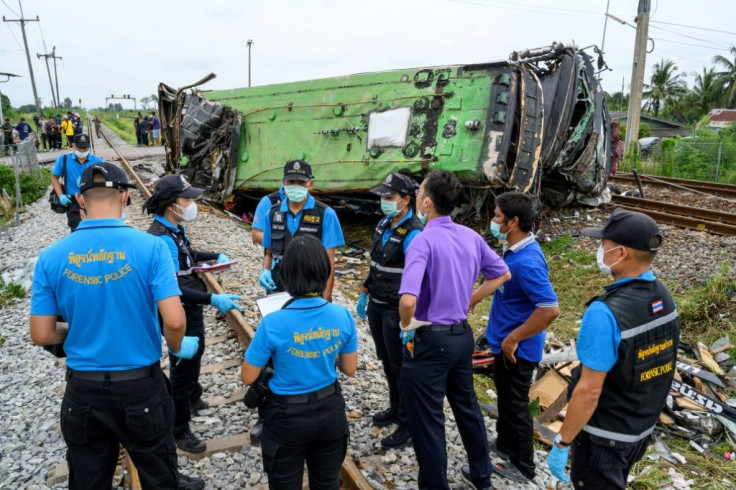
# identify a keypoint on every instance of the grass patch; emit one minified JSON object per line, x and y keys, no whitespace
{"x":123,"y":127}
{"x":32,"y":188}
{"x":9,"y":292}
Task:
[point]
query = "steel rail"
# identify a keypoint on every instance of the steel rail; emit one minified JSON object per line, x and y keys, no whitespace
{"x":685,"y":221}
{"x":678,"y":209}
{"x":725,"y":190}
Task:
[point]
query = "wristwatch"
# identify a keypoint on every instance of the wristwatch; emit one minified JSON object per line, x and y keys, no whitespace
{"x":559,"y":442}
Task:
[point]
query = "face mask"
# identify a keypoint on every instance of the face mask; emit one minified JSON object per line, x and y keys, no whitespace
{"x":296,"y":193}
{"x":606,"y":269}
{"x":188,"y":213}
{"x":81,"y":154}
{"x":496,"y":231}
{"x":422,"y":217}
{"x":389,"y":208}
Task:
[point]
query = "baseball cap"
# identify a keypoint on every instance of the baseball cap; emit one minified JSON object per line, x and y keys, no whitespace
{"x":115,"y":177}
{"x":396,"y":184}
{"x":81,"y":140}
{"x":297,"y":170}
{"x":174,"y":186}
{"x":630,"y":229}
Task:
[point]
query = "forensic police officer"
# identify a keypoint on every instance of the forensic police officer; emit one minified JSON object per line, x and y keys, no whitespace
{"x":298,"y":214}
{"x":308,"y":340}
{"x":173,"y":203}
{"x":627,"y":348}
{"x":379,"y":297}
{"x":108,"y":280}
{"x":442,"y":266}
{"x":69,"y":167}
{"x":262,"y":211}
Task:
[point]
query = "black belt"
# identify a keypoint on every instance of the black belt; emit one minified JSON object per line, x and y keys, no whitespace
{"x":443,"y":328}
{"x":307,"y":397}
{"x":108,"y":376}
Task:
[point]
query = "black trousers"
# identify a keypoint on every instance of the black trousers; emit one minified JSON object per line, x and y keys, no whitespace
{"x":383,"y":320}
{"x":603,"y":464}
{"x":72,"y":215}
{"x":515,"y":427}
{"x":442,"y":365}
{"x":315,"y":432}
{"x":97,"y":417}
{"x":184,"y":374}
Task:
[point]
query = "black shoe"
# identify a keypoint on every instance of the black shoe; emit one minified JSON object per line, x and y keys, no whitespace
{"x":198,"y":405}
{"x":190,"y":443}
{"x":386,"y":417}
{"x":465,"y":473}
{"x":190,"y":482}
{"x":398,"y":439}
{"x":256,"y":433}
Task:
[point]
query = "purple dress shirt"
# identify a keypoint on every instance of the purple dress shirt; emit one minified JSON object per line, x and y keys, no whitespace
{"x":441,"y":268}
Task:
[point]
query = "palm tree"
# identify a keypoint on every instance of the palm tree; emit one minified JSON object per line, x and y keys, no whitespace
{"x":665,"y":85}
{"x":728,"y":76}
{"x":707,"y":91}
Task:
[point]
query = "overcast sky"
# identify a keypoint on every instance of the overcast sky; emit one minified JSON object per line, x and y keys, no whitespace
{"x":129,"y":47}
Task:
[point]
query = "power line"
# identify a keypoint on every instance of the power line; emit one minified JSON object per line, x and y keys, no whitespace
{"x":13,"y":34}
{"x":690,"y":44}
{"x":42,"y":38}
{"x":692,"y":27}
{"x":712,"y":41}
{"x":14,"y":12}
{"x":531,"y":8}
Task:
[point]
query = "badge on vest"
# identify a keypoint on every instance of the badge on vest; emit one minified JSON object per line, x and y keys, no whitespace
{"x":657,"y":306}
{"x":311,"y":219}
{"x":401,"y":231}
{"x":278,"y":218}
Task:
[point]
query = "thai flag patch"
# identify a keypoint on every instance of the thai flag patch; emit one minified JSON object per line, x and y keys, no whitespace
{"x":657,"y":306}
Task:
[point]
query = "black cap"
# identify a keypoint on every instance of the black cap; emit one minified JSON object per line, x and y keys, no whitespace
{"x":174,"y":186}
{"x":81,"y":140}
{"x":630,"y":229}
{"x":297,"y":170}
{"x":396,"y":184}
{"x":115,"y":177}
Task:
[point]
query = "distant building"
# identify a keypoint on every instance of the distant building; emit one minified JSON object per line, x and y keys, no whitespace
{"x":663,"y":128}
{"x":721,"y":118}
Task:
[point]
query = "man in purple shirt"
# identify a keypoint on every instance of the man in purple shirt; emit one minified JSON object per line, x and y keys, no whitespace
{"x":441,"y":269}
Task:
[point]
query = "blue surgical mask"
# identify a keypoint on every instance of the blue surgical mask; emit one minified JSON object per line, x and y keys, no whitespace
{"x":296,"y":193}
{"x":389,"y":208}
{"x":422,"y":217}
{"x":496,"y":231}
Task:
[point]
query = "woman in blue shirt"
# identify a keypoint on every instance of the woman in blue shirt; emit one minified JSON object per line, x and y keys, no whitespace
{"x":308,"y":340}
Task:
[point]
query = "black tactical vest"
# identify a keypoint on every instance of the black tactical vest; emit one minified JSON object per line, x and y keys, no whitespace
{"x":274,"y":197}
{"x":636,"y":388}
{"x":186,"y":277}
{"x":310,"y":224}
{"x":387,"y":261}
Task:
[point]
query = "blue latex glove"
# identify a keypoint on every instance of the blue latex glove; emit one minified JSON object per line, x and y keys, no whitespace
{"x":224,"y":302}
{"x":65,"y":199}
{"x":362,"y":305}
{"x":266,"y":280}
{"x":222,"y":258}
{"x":557,"y":461}
{"x":275,"y":263}
{"x":189,"y":347}
{"x":406,"y":336}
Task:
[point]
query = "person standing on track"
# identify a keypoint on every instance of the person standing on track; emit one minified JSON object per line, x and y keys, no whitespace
{"x":173,"y":203}
{"x":67,"y":127}
{"x":108,"y":281}
{"x":98,"y":130}
{"x":442,"y":266}
{"x":70,"y":167}
{"x":379,"y":296}
{"x":155,"y":129}
{"x":307,"y":340}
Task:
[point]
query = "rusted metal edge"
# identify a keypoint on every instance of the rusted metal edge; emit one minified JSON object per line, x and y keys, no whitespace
{"x":670,"y":208}
{"x":686,"y":222}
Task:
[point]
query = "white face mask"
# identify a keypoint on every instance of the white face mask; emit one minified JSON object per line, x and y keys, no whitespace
{"x":81,"y":154}
{"x":188,"y":213}
{"x":606,"y":269}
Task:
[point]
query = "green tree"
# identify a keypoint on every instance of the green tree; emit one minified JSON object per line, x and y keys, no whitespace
{"x":5,"y":101}
{"x":665,"y":85}
{"x":728,"y":75}
{"x":707,"y":91}
{"x":67,"y":104}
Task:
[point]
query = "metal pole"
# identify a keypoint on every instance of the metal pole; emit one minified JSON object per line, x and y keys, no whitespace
{"x":18,"y":199}
{"x":51,"y":82}
{"x":637,"y":73}
{"x":56,"y":76}
{"x":249,"y":43}
{"x":718,"y":164}
{"x":605,"y":24}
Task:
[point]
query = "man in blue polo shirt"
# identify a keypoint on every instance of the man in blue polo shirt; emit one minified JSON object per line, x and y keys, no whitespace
{"x":109,"y":282}
{"x":24,"y":129}
{"x":262,"y":211}
{"x":298,"y":214}
{"x":70,"y":168}
{"x":522,"y":310}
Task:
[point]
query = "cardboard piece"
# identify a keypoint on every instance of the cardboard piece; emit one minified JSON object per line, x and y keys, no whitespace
{"x":551,"y":389}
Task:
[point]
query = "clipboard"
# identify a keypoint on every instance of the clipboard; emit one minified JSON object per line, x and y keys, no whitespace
{"x":272,"y":302}
{"x":214,"y":267}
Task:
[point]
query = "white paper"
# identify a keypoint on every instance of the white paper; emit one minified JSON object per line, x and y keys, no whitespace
{"x":388,"y":129}
{"x":272,"y":302}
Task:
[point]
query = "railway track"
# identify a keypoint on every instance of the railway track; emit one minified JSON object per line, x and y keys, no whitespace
{"x":722,"y":190}
{"x":351,"y":476}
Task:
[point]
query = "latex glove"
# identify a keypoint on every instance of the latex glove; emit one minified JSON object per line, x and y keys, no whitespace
{"x":65,"y":199}
{"x":406,"y":336}
{"x":224,"y":302}
{"x":414,"y":324}
{"x":557,"y":461}
{"x":266,"y":280}
{"x":362,"y":305}
{"x":222,"y":258}
{"x":189,"y":347}
{"x":274,"y":263}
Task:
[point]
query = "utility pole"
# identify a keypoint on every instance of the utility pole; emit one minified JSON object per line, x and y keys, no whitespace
{"x":51,"y":82}
{"x":22,"y":21}
{"x":637,"y":73}
{"x":56,"y":77}
{"x":249,"y":43}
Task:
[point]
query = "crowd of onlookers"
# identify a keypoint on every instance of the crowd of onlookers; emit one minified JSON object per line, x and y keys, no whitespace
{"x":52,"y":133}
{"x":147,"y":129}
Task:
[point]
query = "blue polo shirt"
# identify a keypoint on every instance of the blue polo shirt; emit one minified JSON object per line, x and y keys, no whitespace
{"x":170,"y":244}
{"x":388,"y":231}
{"x":24,"y":129}
{"x":264,"y":206}
{"x":74,"y":170}
{"x":105,"y":280}
{"x":331,"y":229}
{"x":528,"y":289}
{"x":304,"y":340}
{"x":600,"y":335}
